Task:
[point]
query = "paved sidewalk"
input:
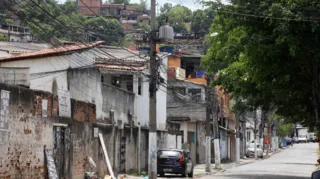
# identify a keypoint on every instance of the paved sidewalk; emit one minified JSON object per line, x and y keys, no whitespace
{"x":199,"y":170}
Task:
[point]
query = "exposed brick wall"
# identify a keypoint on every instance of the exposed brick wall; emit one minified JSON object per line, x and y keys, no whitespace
{"x":22,"y":146}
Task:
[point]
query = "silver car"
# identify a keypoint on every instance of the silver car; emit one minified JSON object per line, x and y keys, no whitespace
{"x":250,"y":150}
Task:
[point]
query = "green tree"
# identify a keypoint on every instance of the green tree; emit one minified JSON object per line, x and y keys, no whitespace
{"x":67,"y":23}
{"x":201,"y":20}
{"x":144,"y":26}
{"x":177,"y":15}
{"x":108,"y":30}
{"x":125,"y":2}
{"x":274,"y":47}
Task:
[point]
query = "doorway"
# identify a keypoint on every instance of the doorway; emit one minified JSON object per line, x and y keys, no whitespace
{"x":61,"y":150}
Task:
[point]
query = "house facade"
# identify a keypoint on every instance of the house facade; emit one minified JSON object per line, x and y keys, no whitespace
{"x":116,"y":81}
{"x":16,"y":33}
{"x":187,"y":107}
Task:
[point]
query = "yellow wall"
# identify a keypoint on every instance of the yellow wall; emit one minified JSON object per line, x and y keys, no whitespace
{"x":174,"y":61}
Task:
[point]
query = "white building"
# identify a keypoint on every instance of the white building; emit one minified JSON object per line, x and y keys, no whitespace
{"x":15,"y":33}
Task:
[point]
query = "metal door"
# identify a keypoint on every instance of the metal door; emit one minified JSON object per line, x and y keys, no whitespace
{"x":61,"y":150}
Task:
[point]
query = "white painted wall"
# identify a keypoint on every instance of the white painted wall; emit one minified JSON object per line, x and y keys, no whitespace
{"x":43,"y":71}
{"x":162,"y":97}
{"x":4,"y":54}
{"x":171,"y":141}
{"x":45,"y":83}
{"x":179,"y":142}
{"x":142,"y":101}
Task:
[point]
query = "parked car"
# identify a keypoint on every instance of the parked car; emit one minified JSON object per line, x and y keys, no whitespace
{"x":174,"y":161}
{"x":288,"y":140}
{"x":312,"y":137}
{"x":250,"y":150}
{"x":295,"y":140}
{"x":302,"y":139}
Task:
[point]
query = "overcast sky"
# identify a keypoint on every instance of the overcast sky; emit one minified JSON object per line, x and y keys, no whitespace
{"x":191,"y":4}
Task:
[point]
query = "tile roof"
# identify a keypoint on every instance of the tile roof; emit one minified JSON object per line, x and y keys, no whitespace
{"x":52,"y":51}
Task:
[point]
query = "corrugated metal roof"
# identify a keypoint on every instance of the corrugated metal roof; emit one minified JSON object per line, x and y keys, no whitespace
{"x":121,"y":53}
{"x":125,"y":59}
{"x":51,"y":51}
{"x":82,"y":56}
{"x":19,"y":47}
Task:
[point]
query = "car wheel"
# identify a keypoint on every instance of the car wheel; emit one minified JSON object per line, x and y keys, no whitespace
{"x":161,"y":174}
{"x":185,"y":173}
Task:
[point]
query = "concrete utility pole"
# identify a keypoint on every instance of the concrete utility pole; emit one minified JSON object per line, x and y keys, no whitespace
{"x":262,"y":126}
{"x":238,"y":138}
{"x":255,"y":133}
{"x":217,"y":159}
{"x":153,"y":94}
{"x":244,"y":139}
{"x":209,"y":117}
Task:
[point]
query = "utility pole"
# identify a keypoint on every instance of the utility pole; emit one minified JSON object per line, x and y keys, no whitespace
{"x":255,"y":133}
{"x":261,"y":128}
{"x":217,"y":159}
{"x":9,"y":33}
{"x":244,"y":139}
{"x":153,"y":97}
{"x":209,"y":117}
{"x":238,"y":138}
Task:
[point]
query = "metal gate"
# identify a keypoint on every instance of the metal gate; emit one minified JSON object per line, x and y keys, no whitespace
{"x":61,"y":150}
{"x":123,"y":154}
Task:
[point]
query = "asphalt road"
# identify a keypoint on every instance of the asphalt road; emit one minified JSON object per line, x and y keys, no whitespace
{"x":297,"y":162}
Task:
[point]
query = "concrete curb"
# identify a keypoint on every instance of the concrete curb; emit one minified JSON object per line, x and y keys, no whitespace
{"x":203,"y":174}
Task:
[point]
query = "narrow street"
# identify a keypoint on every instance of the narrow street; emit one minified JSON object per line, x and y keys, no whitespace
{"x":296,"y":162}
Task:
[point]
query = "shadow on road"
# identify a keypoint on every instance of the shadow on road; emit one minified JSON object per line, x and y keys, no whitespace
{"x":173,"y":176}
{"x":264,"y":176}
{"x":298,"y":163}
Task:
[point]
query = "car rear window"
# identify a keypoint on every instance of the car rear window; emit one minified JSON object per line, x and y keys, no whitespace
{"x":168,"y":154}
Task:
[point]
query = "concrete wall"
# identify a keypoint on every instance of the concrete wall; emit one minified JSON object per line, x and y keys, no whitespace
{"x":120,"y":101}
{"x":29,"y":133}
{"x":85,"y":84}
{"x":192,"y":111}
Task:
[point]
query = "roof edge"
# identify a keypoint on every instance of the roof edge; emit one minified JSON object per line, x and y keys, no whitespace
{"x":52,"y":51}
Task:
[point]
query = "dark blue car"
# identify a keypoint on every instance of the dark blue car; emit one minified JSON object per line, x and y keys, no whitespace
{"x":174,"y":161}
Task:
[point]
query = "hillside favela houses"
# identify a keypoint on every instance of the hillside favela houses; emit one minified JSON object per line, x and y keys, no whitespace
{"x":129,"y":16}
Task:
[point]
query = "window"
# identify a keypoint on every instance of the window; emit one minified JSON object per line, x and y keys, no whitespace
{"x":102,"y":78}
{"x":116,"y":81}
{"x":140,"y":86}
{"x":195,"y":94}
{"x":180,"y":90}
